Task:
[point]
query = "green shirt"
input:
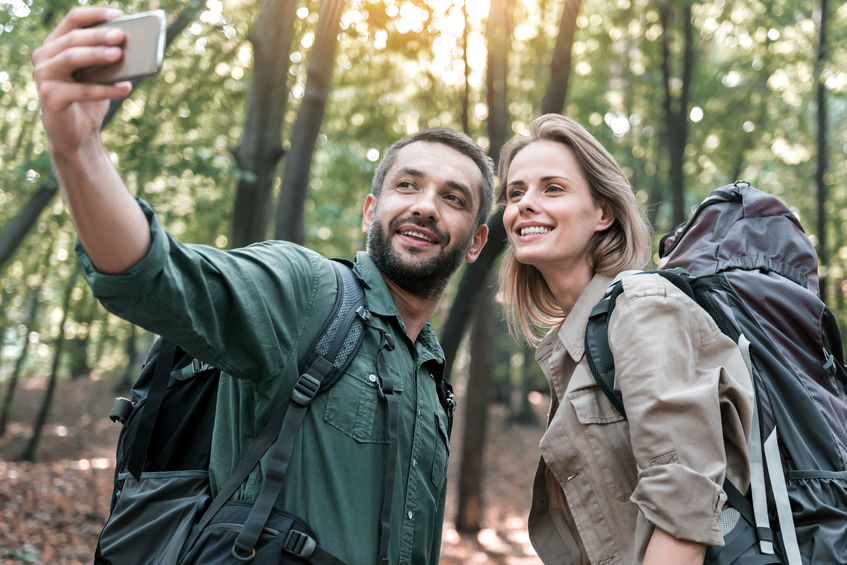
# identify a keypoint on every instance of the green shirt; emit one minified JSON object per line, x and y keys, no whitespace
{"x":252,"y":312}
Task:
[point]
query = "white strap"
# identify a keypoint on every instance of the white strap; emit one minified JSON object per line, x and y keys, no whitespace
{"x":754,"y":449}
{"x":780,"y":496}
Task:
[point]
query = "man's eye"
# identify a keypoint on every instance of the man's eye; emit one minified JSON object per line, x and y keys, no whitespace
{"x":405,"y":184}
{"x":455,"y":199}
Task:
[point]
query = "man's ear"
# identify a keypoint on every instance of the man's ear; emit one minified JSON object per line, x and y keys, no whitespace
{"x":368,"y":212}
{"x":480,"y":236}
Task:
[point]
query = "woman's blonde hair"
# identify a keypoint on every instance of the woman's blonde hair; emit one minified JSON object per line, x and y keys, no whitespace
{"x":625,"y":244}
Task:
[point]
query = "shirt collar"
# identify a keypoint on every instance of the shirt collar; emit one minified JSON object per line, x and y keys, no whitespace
{"x":571,"y":334}
{"x":381,"y":303}
{"x":380,"y":300}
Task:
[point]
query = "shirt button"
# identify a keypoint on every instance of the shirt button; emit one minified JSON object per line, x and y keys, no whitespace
{"x":569,"y":477}
{"x":410,"y":514}
{"x":414,"y":462}
{"x":372,"y":378}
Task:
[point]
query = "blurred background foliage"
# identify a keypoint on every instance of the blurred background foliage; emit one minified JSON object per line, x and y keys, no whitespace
{"x":402,"y":65}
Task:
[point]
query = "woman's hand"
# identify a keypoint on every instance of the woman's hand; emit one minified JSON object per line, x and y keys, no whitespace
{"x":72,"y":111}
{"x":664,"y":549}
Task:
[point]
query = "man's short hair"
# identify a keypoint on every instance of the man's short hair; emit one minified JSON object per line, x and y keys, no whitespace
{"x":455,"y":140}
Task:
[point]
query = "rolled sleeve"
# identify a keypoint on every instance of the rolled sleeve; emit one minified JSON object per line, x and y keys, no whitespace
{"x":671,"y":360}
{"x":108,"y":287}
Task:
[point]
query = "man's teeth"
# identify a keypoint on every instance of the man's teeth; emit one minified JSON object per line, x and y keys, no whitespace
{"x":418,"y":235}
{"x":534,"y":230}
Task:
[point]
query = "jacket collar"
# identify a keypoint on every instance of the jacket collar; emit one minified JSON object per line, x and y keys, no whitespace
{"x":571,"y":334}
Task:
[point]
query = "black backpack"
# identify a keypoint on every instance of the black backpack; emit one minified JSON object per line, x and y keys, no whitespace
{"x":162,"y":510}
{"x":745,"y":258}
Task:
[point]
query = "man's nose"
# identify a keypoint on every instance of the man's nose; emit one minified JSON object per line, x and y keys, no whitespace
{"x":426,"y":203}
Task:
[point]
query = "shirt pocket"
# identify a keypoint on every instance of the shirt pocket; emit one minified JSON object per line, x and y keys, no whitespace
{"x":442,"y":450}
{"x":354,"y":407}
{"x":604,"y":439}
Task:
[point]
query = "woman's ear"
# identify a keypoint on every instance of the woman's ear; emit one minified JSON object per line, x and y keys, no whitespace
{"x":607,"y":217}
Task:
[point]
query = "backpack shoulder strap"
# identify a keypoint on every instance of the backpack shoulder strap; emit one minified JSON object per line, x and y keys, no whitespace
{"x":598,"y":353}
{"x":163,"y":363}
{"x":326,"y":359}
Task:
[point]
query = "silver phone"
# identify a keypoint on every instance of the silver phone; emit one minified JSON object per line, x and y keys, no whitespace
{"x":143,"y":49}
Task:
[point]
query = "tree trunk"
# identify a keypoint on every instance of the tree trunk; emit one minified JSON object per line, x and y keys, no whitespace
{"x":295,"y":179}
{"x":260,"y":149}
{"x":466,"y":92}
{"x":524,"y":412}
{"x":676,"y":109}
{"x":470,"y":504}
{"x":476,"y":272}
{"x":28,"y":453}
{"x":19,"y":363}
{"x":560,"y":67}
{"x":132,"y":369}
{"x":821,"y":161}
{"x":497,"y":76}
{"x":23,"y":223}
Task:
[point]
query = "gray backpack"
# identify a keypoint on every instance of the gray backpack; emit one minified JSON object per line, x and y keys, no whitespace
{"x":745,"y":258}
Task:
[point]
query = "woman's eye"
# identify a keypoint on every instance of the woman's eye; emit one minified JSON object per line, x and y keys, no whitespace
{"x":514,"y":194}
{"x":554,"y":188}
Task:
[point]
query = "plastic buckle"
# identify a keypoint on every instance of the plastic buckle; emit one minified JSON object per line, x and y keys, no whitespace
{"x":450,"y":401}
{"x":364,"y":314}
{"x":120,"y":410}
{"x":305,"y":390}
{"x":300,"y":544}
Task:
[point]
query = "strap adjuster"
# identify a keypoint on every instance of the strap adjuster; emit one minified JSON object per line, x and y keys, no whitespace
{"x":300,"y":544}
{"x":305,"y":390}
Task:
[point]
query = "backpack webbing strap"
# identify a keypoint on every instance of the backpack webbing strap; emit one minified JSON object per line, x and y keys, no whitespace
{"x":757,"y":466}
{"x":780,"y":497}
{"x":280,"y":456}
{"x":386,"y":390}
{"x":331,"y":342}
{"x":144,"y":431}
{"x":338,"y":339}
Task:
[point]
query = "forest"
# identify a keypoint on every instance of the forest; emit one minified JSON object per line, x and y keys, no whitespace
{"x":268,"y":118}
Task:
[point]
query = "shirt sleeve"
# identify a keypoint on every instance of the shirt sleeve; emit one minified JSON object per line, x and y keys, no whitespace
{"x":241,"y":310}
{"x":676,"y":372}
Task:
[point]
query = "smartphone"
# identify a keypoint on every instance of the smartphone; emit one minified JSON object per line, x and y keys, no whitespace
{"x":143,"y":49}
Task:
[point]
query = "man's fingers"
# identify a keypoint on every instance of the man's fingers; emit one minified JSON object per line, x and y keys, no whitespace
{"x":56,"y":96}
{"x":94,"y":38}
{"x":83,"y":17}
{"x":62,"y":65}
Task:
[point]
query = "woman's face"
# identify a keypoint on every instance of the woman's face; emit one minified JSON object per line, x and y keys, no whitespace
{"x":550,"y":213}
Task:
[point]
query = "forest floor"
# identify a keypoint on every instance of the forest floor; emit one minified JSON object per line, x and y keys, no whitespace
{"x":51,"y":511}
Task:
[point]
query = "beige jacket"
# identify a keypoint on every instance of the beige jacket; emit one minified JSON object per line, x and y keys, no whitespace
{"x":604,"y":482}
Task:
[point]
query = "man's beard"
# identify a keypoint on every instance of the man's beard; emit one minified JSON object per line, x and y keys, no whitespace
{"x":426,"y":279}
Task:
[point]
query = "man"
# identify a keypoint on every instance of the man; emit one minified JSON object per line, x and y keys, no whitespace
{"x":253,"y":311}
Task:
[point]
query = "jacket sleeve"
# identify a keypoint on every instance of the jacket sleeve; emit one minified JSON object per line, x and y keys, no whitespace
{"x":241,"y":310}
{"x":687,"y":396}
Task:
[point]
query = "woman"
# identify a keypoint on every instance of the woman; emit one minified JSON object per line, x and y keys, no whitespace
{"x":608,"y":489}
